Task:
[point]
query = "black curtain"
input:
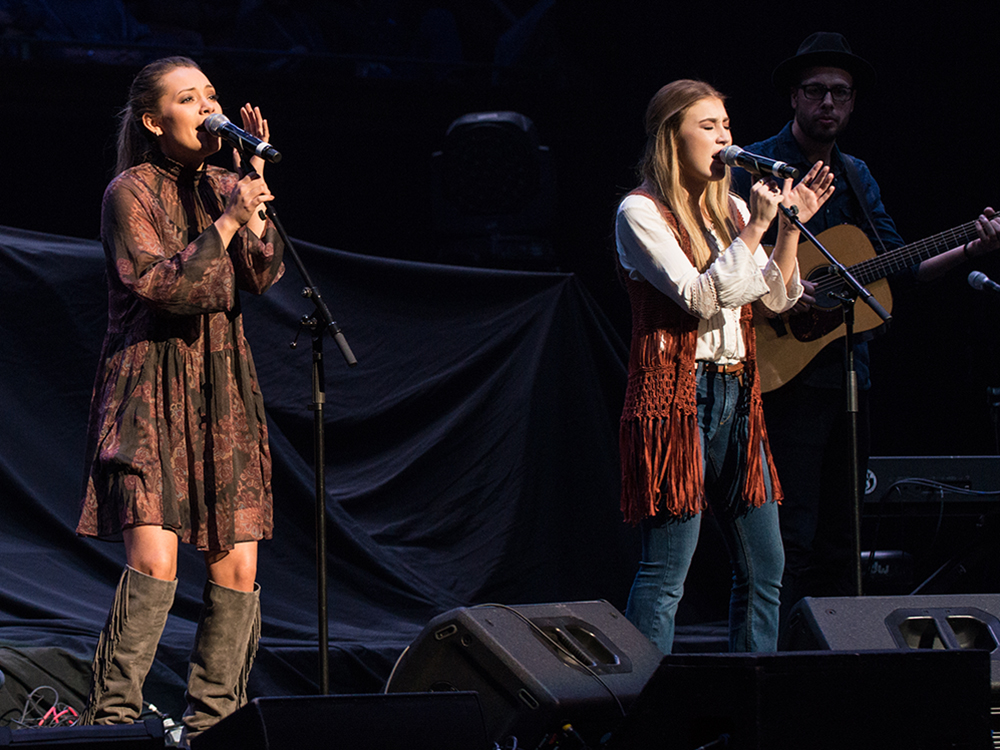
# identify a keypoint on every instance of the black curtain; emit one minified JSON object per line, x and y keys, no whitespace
{"x":471,"y":457}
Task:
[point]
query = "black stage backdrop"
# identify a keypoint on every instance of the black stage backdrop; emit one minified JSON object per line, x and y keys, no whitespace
{"x":358,"y":149}
{"x":471,"y":454}
{"x":471,"y":457}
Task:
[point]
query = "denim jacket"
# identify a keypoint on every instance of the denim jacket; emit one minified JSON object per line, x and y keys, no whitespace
{"x":826,"y":370}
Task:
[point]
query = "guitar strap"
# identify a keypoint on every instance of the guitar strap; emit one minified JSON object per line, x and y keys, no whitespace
{"x":851,"y":172}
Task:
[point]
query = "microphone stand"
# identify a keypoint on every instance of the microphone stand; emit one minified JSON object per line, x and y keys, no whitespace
{"x":318,"y":323}
{"x":847,"y":299}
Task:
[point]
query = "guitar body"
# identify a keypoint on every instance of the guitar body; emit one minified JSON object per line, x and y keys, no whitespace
{"x":787,"y":343}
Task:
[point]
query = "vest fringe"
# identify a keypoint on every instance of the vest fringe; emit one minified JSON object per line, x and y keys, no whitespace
{"x":754,"y":489}
{"x":661,"y":467}
{"x":659,"y":437}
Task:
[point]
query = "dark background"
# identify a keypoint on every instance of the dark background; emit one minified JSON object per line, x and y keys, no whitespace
{"x":357,"y":106}
{"x":359,"y":96}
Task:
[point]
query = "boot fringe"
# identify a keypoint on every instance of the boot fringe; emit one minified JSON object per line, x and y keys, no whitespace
{"x":251,"y":655}
{"x":107,"y":643}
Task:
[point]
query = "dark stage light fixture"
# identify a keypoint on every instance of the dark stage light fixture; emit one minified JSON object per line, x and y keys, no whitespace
{"x":494,"y":190}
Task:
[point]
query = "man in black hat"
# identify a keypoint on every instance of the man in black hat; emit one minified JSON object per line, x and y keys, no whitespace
{"x":807,"y":417}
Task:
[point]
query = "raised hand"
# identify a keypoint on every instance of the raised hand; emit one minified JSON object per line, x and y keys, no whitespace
{"x":255,"y":124}
{"x":811,"y":193}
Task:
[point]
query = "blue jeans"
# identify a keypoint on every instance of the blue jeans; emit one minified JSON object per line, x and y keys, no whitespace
{"x":751,"y":538}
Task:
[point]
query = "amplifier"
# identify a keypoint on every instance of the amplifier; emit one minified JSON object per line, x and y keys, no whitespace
{"x":928,"y":523}
{"x":933,"y":479}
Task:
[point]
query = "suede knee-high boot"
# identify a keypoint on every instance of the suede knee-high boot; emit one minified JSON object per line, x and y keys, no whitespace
{"x":126,"y":648}
{"x":225,"y":647}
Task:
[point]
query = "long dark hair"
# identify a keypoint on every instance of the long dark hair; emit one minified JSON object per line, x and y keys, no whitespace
{"x":136,"y":144}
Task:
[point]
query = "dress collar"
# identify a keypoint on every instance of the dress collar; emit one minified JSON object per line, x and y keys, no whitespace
{"x":177,"y":170}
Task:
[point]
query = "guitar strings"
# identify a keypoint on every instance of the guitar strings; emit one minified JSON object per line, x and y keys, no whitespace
{"x":879,"y":266}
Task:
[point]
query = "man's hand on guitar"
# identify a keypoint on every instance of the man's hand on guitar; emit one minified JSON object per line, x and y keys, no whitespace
{"x":987,"y":239}
{"x":988,"y":229}
{"x":811,"y":193}
{"x":807,"y":299}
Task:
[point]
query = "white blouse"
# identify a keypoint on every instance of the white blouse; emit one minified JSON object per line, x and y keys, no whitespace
{"x":649,"y":250}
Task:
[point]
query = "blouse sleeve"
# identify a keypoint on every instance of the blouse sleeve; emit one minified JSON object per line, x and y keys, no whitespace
{"x":780,"y":296}
{"x":151,"y":258}
{"x":649,"y":249}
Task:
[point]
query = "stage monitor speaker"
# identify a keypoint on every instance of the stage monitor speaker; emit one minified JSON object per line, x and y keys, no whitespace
{"x":874,"y":700}
{"x":437,"y":721}
{"x":909,"y":623}
{"x":536,"y":667}
{"x":145,"y":735}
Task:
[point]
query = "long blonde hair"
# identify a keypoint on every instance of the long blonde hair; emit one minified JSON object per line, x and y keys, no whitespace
{"x":659,"y":168}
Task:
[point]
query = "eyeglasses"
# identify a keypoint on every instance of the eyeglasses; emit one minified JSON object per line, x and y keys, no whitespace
{"x":817,"y":92}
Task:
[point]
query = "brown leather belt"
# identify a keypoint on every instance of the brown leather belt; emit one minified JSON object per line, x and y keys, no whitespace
{"x":733,"y":369}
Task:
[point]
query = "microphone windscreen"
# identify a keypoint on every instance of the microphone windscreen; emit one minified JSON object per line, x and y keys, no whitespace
{"x":215,"y":123}
{"x":729,"y":155}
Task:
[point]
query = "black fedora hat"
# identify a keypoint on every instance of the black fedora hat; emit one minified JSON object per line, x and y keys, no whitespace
{"x":824,"y":49}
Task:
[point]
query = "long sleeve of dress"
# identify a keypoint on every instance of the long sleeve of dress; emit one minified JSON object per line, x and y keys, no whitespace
{"x":156,"y":258}
{"x":648,"y":249}
{"x":258,"y":260}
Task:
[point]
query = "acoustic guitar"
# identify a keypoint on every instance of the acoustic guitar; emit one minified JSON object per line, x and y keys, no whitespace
{"x":786,"y":343}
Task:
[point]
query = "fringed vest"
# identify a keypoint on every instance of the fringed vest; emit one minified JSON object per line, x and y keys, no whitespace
{"x":660,"y":440}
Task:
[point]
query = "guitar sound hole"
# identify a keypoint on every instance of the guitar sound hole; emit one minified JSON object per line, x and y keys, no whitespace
{"x":826,"y":315}
{"x":822,"y":277}
{"x":814,"y":324}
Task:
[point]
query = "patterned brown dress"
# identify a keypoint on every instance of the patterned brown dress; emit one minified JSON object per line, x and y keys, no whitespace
{"x":177,"y":435}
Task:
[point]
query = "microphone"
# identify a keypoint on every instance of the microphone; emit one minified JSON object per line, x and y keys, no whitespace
{"x":734,"y":156}
{"x":219,"y":125}
{"x":979,"y":280}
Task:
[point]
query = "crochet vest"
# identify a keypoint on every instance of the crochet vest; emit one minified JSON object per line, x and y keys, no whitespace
{"x":659,"y":439}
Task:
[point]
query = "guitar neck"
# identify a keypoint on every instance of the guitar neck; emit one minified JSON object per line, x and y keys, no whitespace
{"x":895,"y":260}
